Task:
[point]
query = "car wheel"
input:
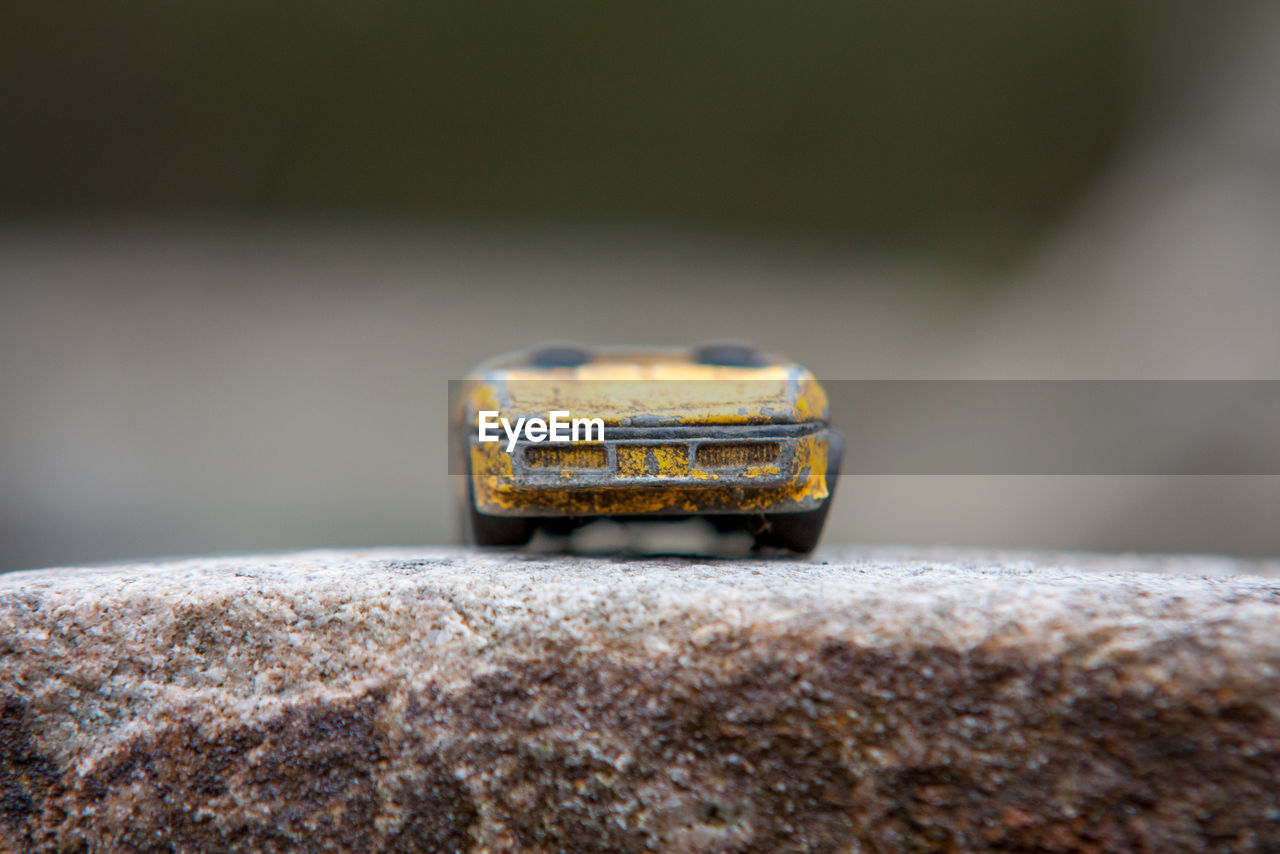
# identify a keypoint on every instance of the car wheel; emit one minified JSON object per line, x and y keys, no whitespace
{"x":559,"y":356}
{"x":485,"y":530}
{"x":800,"y":532}
{"x":729,"y":355}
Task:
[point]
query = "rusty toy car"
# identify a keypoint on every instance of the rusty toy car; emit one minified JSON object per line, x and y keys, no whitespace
{"x":725,"y":432}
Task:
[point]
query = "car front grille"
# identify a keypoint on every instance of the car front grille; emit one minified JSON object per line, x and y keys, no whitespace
{"x":734,"y":454}
{"x":566,"y":456}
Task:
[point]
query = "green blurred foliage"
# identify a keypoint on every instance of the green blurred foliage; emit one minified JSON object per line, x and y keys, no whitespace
{"x":938,"y":124}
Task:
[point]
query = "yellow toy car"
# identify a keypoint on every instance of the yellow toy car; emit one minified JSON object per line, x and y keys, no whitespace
{"x":561,"y":436}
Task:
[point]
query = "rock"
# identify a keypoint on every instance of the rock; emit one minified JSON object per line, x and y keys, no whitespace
{"x":439,"y":700}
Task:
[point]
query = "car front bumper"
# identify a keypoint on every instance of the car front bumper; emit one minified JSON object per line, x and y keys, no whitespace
{"x":657,"y":471}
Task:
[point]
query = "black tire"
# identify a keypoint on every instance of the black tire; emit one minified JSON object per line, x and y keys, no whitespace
{"x":559,"y":356}
{"x":800,"y":532}
{"x":563,"y":526}
{"x":728,"y":354}
{"x":484,"y":530}
{"x":728,"y":523}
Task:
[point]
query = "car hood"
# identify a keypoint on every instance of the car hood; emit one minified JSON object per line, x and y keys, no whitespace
{"x":654,"y":395}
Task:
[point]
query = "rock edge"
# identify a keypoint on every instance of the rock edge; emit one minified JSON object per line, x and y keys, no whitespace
{"x":441,"y":700}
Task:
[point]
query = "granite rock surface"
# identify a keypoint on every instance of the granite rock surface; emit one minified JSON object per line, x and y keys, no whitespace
{"x":442,"y":700}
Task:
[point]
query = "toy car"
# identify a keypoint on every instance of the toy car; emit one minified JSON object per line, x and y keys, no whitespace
{"x":725,"y":432}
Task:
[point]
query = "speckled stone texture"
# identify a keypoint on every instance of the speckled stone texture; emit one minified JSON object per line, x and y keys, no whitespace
{"x":438,"y":700}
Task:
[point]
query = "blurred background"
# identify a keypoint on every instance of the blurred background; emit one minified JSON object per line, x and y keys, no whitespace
{"x":243,"y":247}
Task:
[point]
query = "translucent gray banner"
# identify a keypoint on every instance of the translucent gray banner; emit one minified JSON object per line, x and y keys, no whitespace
{"x":952,"y":427}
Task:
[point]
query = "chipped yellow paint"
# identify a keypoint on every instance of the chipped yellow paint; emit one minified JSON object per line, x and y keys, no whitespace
{"x":490,"y":459}
{"x":662,"y":461}
{"x":811,"y":402}
{"x":497,"y":492}
{"x":810,"y":467}
{"x":639,"y":501}
{"x":755,"y":472}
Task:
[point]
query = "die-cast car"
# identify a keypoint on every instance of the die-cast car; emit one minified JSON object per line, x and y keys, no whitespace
{"x":724,"y":432}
